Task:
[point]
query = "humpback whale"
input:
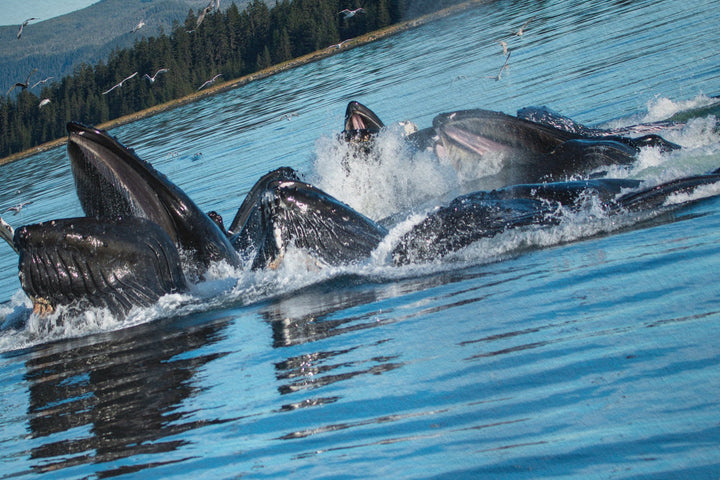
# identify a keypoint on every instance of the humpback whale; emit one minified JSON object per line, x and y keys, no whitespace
{"x":484,"y":214}
{"x":281,"y":210}
{"x":87,"y":262}
{"x":514,"y":150}
{"x":113,"y":182}
{"x":503,"y":150}
{"x":645,"y":131}
{"x":143,"y":237}
{"x":361,"y":123}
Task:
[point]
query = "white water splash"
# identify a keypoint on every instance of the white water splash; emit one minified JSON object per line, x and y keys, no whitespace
{"x":391,"y":178}
{"x":661,"y":108}
{"x":400,"y":183}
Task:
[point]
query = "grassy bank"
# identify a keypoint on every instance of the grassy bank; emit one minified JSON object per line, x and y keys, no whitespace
{"x":238,"y":82}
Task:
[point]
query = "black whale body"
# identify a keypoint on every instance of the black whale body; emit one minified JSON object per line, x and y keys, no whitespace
{"x":530,"y":152}
{"x":126,"y":252}
{"x":113,"y":182}
{"x":485,"y":214}
{"x":511,"y":149}
{"x":87,"y":262}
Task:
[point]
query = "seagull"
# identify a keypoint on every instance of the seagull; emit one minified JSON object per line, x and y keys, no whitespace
{"x":338,"y":45}
{"x":351,"y":13}
{"x":22,"y":85}
{"x":288,"y":116}
{"x":520,"y":32}
{"x":459,"y":78}
{"x":499,"y":75}
{"x":119,"y":84}
{"x":41,"y":82}
{"x":153,"y":78}
{"x":43,"y":102}
{"x":204,"y":12}
{"x":137,"y":27}
{"x":503,"y":44}
{"x":210,"y":82}
{"x":16,"y":209}
{"x":24,"y":24}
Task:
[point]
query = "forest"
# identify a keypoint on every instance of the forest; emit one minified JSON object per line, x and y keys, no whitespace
{"x":232,"y":43}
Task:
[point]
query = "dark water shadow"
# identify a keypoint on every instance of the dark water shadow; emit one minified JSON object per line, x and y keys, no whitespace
{"x":122,"y":390}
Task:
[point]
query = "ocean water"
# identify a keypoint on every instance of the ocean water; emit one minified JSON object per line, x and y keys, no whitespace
{"x":583,"y":350}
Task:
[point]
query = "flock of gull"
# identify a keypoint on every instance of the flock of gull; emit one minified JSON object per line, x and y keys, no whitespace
{"x":213,"y":5}
{"x":505,"y":51}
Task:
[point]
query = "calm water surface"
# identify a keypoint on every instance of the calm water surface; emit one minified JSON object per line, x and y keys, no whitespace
{"x":584,"y":351}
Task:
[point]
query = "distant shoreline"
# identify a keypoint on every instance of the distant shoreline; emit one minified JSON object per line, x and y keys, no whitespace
{"x":244,"y":80}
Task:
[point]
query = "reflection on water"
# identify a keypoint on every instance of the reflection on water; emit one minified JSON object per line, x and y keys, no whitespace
{"x":594,"y":358}
{"x":115,"y":398}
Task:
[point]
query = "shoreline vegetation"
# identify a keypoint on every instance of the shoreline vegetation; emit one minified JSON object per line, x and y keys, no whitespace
{"x":258,"y":75}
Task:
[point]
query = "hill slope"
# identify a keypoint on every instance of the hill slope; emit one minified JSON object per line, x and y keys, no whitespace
{"x":57,"y":45}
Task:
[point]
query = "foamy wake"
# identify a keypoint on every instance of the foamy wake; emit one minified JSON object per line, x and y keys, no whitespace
{"x":399,"y":183}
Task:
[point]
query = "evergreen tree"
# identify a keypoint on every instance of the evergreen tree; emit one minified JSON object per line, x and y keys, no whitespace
{"x":232,"y":42}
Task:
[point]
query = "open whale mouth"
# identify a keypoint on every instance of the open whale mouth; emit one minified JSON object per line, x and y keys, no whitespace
{"x":361,"y":123}
{"x":113,"y":182}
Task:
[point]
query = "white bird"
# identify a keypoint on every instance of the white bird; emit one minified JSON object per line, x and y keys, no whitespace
{"x":21,"y":84}
{"x":204,"y":12}
{"x":16,"y":209}
{"x":338,"y":45}
{"x":43,"y":102}
{"x":137,"y":27}
{"x":520,"y":32}
{"x":351,"y":13}
{"x":40,"y":82}
{"x":119,"y":84}
{"x":153,"y":78}
{"x":499,"y":75}
{"x":503,"y":44}
{"x":210,"y":82}
{"x":289,"y":116}
{"x":24,"y":24}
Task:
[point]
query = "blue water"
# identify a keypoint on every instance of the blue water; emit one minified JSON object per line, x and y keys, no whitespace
{"x":588,"y":350}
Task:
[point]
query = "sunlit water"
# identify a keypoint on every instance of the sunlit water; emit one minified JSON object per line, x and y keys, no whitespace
{"x":586,"y":350}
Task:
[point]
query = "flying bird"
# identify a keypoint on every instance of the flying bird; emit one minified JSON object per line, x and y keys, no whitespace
{"x":24,"y":24}
{"x":520,"y":32}
{"x":338,"y":45}
{"x":499,"y":75}
{"x":21,"y":84}
{"x":43,"y":102}
{"x":154,"y":77}
{"x":16,"y":209}
{"x":210,"y":82}
{"x":40,"y":82}
{"x":137,"y":27}
{"x":119,"y":84}
{"x":503,"y":44}
{"x":347,"y":13}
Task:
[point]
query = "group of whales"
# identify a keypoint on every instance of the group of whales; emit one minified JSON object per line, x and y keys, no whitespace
{"x":142,"y":237}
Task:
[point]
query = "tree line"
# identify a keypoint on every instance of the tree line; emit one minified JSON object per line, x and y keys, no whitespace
{"x":231,"y":43}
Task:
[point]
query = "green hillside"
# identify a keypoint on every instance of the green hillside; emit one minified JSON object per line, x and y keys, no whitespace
{"x":227,"y":45}
{"x":55,"y":46}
